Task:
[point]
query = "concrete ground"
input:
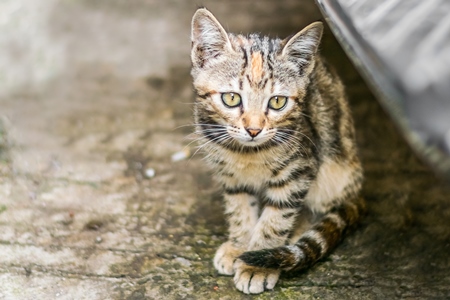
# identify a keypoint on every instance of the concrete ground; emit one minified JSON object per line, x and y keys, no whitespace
{"x":93,"y":97}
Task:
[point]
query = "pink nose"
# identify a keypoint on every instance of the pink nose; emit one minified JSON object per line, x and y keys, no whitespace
{"x":253,"y":131}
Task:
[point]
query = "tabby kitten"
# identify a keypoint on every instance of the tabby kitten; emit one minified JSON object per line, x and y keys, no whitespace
{"x":277,"y":130}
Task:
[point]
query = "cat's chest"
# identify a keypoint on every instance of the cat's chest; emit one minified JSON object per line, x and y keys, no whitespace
{"x":251,"y":171}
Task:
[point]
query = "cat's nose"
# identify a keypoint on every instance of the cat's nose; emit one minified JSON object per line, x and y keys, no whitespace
{"x":253,"y":131}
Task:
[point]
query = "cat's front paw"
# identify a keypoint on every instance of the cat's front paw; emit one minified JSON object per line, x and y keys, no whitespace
{"x":254,"y":280}
{"x":225,"y":257}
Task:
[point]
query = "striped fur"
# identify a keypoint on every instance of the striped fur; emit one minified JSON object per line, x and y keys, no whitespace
{"x":291,"y":176}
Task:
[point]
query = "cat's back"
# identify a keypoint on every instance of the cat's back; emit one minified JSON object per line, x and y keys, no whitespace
{"x":340,"y":173}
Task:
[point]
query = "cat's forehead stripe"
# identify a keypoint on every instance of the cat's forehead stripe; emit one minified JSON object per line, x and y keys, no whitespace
{"x":257,"y":66}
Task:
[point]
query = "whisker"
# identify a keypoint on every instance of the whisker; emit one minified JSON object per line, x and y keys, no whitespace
{"x":286,"y":144}
{"x":291,"y":141}
{"x":301,"y":133}
{"x":220,"y":131}
{"x":217,"y":139}
{"x":200,"y":124}
{"x":211,"y":130}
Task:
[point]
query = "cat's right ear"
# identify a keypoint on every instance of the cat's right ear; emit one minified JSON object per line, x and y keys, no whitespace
{"x":302,"y":47}
{"x":209,"y":39}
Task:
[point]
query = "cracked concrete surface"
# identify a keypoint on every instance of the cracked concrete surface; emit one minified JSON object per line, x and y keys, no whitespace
{"x":94,"y":95}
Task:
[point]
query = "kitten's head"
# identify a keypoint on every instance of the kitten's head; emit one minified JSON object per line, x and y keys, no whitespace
{"x":250,"y":89}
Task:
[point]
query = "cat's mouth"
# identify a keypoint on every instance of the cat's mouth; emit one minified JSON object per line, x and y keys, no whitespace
{"x":252,"y":141}
{"x":243,"y":139}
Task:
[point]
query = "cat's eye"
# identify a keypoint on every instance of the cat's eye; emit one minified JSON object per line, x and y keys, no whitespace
{"x":277,"y":102}
{"x":231,"y":99}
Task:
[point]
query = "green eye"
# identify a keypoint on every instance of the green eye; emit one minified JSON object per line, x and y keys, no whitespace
{"x":231,"y":99}
{"x":277,"y":102}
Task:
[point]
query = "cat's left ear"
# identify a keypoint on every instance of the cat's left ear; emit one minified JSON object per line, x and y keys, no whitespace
{"x":209,"y":39}
{"x":302,"y":47}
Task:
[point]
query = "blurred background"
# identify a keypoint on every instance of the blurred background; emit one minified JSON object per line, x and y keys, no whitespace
{"x":402,"y":48}
{"x":43,"y":40}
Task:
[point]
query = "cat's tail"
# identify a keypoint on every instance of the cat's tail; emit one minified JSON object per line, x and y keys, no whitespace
{"x":313,"y":244}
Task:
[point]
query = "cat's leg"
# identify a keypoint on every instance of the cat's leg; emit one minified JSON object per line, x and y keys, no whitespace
{"x":254,"y":280}
{"x":272,"y":230}
{"x":241,"y":210}
{"x":273,"y":227}
{"x":310,"y":247}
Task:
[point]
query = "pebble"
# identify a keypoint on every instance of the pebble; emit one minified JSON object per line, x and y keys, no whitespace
{"x":183,"y":261}
{"x":181,"y":155}
{"x":150,"y":173}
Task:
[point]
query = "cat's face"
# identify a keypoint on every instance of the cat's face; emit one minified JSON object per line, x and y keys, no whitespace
{"x":249,"y":89}
{"x":251,"y":115}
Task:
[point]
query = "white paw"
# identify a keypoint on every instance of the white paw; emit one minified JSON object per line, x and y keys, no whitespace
{"x":253,"y":280}
{"x":225,"y":257}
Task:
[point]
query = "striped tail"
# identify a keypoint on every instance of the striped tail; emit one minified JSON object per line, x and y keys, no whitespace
{"x":313,"y":244}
